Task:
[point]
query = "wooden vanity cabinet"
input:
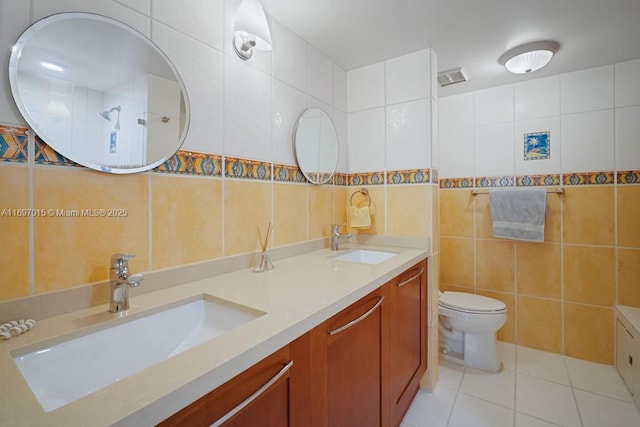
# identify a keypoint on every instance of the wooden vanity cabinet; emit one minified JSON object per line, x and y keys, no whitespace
{"x":275,"y":392}
{"x":408,"y":337}
{"x":349,"y":386}
{"x":361,"y":367}
{"x":368,"y":359}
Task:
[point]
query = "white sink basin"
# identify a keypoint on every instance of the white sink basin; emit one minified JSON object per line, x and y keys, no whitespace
{"x":365,"y":256}
{"x":61,"y":373}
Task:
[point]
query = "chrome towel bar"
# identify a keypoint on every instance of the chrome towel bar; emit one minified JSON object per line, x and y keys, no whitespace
{"x":558,"y":190}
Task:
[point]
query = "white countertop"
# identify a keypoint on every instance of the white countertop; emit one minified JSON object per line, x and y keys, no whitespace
{"x":297,"y":295}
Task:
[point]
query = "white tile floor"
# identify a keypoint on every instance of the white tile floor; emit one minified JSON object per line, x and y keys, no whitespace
{"x":535,"y":389}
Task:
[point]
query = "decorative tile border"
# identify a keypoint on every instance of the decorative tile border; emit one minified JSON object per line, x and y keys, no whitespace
{"x":340,"y":179}
{"x":188,"y":163}
{"x":537,"y":180}
{"x":450,"y":183}
{"x":325,"y":177}
{"x":13,"y":144}
{"x":14,"y":141}
{"x":13,"y":130}
{"x":572,"y":179}
{"x":287,"y":173}
{"x":366,"y":178}
{"x":411,"y":176}
{"x":628,"y":177}
{"x":247,"y":169}
{"x":46,"y":155}
{"x":589,"y":178}
{"x":494,"y":181}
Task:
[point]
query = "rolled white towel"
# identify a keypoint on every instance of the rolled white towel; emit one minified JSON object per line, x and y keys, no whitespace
{"x":15,"y":328}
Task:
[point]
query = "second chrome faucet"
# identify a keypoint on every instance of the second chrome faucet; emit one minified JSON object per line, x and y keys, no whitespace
{"x":335,"y":235}
{"x":120,"y":281}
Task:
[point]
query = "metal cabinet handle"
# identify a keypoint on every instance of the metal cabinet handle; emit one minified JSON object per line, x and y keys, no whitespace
{"x":253,"y":397}
{"x":359,"y":319}
{"x":408,"y":280}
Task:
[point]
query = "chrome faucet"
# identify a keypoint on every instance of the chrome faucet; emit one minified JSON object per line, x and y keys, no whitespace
{"x":336,"y":235}
{"x":120,"y":281}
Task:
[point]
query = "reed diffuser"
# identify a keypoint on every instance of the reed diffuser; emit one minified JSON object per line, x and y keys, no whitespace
{"x":265,"y":263}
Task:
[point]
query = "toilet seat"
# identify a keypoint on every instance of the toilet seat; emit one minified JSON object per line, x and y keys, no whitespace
{"x":471,"y":303}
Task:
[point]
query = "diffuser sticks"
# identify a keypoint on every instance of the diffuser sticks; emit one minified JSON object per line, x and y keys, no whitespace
{"x":264,"y":264}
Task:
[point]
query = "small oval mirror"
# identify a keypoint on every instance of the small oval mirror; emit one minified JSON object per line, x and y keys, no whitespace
{"x":99,"y":92}
{"x":316,"y":145}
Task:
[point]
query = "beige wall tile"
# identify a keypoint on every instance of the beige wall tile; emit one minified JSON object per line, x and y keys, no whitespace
{"x":540,"y":323}
{"x":589,"y":275}
{"x":629,"y":277}
{"x":588,"y":215}
{"x":289,"y":214}
{"x":71,"y":251}
{"x":340,"y":194}
{"x":435,"y":218}
{"x":409,"y":210}
{"x":433,"y":275}
{"x":320,"y":211}
{"x":495,"y":265}
{"x":187,"y":219}
{"x":456,"y":262}
{"x":377,"y":208}
{"x":553,"y":218}
{"x":444,"y":287}
{"x":628,"y":214}
{"x":247,"y":205}
{"x":433,"y":367}
{"x":484,"y":225}
{"x":539,"y":269}
{"x":456,"y":213}
{"x":508,"y":332}
{"x":588,"y":332}
{"x":14,"y":230}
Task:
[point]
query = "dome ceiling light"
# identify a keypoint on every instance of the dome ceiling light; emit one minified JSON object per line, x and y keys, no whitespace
{"x":529,"y":57}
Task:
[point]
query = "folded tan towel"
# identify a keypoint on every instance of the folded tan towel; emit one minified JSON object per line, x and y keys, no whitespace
{"x":360,"y":217}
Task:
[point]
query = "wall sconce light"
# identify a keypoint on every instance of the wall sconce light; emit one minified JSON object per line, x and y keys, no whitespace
{"x":251,"y":29}
{"x":529,"y":57}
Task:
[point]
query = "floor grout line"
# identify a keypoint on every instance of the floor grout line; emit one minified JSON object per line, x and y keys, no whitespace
{"x":515,"y":357}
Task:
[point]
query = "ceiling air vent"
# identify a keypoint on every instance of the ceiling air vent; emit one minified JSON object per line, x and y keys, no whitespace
{"x":446,"y":78}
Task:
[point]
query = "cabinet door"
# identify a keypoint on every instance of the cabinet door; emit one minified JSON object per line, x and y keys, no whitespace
{"x":260,"y":396}
{"x":624,"y":357}
{"x":408,"y":337}
{"x":347,"y":355}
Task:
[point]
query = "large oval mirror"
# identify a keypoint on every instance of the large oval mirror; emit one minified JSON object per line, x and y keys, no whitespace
{"x":99,"y":92}
{"x":316,"y":145}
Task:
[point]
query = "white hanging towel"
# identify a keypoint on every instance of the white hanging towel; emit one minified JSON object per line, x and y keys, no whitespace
{"x":518,"y":213}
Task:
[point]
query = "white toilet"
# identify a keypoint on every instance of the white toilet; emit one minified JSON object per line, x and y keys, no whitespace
{"x":467,"y":329}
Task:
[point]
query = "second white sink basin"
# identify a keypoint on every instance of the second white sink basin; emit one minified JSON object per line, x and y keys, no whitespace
{"x":61,"y":373}
{"x":365,"y":256}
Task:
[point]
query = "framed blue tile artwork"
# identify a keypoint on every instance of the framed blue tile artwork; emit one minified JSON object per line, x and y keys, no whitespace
{"x":537,"y":146}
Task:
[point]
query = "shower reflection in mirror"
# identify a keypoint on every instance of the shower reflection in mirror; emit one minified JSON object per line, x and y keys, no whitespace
{"x":106,"y":114}
{"x":119,"y":114}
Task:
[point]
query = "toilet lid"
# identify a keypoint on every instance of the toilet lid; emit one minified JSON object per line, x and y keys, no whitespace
{"x":470,"y":302}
